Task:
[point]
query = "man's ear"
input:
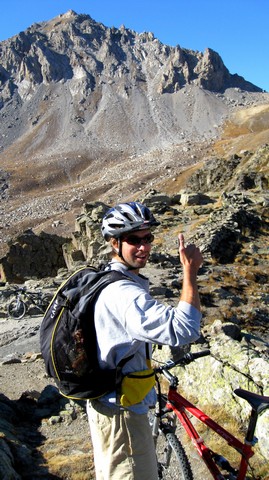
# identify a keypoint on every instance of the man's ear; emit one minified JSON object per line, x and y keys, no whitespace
{"x":114,"y":244}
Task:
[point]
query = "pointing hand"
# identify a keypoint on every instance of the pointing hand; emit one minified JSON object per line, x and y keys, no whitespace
{"x":190,"y":255}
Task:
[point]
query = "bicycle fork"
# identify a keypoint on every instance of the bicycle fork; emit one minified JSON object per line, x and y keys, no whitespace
{"x":160,"y":427}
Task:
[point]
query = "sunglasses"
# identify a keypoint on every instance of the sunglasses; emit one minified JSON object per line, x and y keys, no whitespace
{"x":134,"y":240}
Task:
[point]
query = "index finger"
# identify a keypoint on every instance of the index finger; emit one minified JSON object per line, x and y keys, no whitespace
{"x":181,"y":241}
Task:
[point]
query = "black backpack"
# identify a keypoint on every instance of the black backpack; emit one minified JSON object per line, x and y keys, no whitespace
{"x":68,"y":338}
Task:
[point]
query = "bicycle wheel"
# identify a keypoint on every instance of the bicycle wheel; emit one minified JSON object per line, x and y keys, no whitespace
{"x":16,"y":309}
{"x":173,"y":462}
{"x":41,"y":302}
{"x":45,"y":301}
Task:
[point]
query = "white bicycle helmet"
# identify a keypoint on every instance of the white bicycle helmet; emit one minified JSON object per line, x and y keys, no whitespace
{"x":127,"y":217}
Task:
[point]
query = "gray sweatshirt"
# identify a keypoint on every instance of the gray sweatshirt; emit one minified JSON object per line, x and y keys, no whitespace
{"x":126,"y":317}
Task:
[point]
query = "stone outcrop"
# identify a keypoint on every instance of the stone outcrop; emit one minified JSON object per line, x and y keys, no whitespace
{"x":21,"y":453}
{"x":226,"y":221}
{"x":32,"y":256}
{"x":86,"y":241}
{"x":239,"y":173}
{"x":227,"y":226}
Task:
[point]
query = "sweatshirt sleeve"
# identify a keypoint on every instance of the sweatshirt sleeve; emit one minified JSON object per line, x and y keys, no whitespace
{"x":145,"y":319}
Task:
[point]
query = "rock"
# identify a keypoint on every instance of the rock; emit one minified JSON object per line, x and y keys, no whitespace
{"x":20,"y":454}
{"x":229,"y":329}
{"x":33,"y":256}
{"x":194,"y":199}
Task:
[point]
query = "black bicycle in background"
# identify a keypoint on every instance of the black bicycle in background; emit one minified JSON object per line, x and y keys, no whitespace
{"x":25,"y":301}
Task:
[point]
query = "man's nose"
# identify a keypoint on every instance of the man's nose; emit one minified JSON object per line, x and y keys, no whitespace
{"x":144,"y":245}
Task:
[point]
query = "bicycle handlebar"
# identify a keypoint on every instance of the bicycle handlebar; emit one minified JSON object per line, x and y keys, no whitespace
{"x":185,"y":360}
{"x":18,"y":289}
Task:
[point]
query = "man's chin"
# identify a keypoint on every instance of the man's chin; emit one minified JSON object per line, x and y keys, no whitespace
{"x":141,"y":262}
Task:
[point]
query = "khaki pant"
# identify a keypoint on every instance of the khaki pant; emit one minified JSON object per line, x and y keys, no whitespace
{"x":122,"y":444}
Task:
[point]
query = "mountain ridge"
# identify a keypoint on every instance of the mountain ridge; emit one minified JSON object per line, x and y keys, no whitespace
{"x":90,"y":112}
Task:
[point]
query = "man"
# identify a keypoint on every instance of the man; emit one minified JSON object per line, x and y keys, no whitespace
{"x":127,"y":319}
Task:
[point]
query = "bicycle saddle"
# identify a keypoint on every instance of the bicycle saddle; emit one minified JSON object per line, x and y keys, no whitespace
{"x":258,"y":402}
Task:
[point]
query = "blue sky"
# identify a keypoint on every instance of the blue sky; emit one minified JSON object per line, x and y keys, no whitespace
{"x":236,"y":29}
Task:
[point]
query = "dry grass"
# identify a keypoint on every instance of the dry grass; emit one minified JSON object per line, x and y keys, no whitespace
{"x":247,"y":129}
{"x":180,"y":180}
{"x":69,"y":458}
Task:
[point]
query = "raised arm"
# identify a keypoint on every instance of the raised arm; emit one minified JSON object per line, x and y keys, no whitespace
{"x":191,"y":260}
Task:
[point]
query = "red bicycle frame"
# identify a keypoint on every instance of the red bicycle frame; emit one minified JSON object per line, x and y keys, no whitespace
{"x":179,"y":405}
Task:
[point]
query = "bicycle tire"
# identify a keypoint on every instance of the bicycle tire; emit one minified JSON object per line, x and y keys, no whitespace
{"x":45,"y":301}
{"x":16,"y":309}
{"x":173,"y":462}
{"x":41,"y":303}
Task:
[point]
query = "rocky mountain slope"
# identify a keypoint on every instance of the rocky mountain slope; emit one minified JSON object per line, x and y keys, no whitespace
{"x":90,"y":116}
{"x":90,"y":112}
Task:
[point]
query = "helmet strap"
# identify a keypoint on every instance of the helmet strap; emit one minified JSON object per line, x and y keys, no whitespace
{"x":120,"y":248}
{"x":121,"y":256}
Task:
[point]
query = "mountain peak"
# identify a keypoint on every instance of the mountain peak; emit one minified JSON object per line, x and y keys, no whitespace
{"x":84,"y":106}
